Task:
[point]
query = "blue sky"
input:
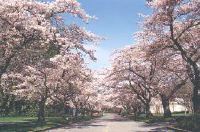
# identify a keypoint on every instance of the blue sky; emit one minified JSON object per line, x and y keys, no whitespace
{"x":117,"y":21}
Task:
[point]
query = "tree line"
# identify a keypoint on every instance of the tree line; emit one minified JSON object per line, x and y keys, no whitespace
{"x":42,"y":59}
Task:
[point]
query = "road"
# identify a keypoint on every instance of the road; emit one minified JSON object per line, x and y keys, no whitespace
{"x":112,"y":123}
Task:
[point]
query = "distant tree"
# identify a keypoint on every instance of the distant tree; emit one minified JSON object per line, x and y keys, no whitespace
{"x":130,"y":70}
{"x":73,"y":80}
{"x":126,"y":99}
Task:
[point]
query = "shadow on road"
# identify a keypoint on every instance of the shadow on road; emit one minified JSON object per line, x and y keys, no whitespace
{"x":157,"y":127}
{"x":97,"y":122}
{"x":86,"y":124}
{"x":113,"y":123}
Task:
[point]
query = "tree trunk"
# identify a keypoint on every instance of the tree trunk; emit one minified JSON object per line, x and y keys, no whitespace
{"x":76,"y":112}
{"x":196,"y":98}
{"x":194,"y":74}
{"x":84,"y":112}
{"x":41,"y":111}
{"x":165,"y":104}
{"x":64,"y":110}
{"x":91,"y":113}
{"x":148,"y":112}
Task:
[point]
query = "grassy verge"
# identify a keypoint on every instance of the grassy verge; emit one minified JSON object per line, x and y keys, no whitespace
{"x":159,"y":118}
{"x":186,"y":122}
{"x":24,"y":124}
{"x":153,"y":119}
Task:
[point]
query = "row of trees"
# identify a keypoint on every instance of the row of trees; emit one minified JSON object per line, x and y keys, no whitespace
{"x":41,"y":58}
{"x":165,"y":58}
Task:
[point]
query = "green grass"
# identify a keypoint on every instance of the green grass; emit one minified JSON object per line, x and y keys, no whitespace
{"x":179,"y":120}
{"x":189,"y":123}
{"x":159,"y":118}
{"x":16,"y":119}
{"x":24,"y":124}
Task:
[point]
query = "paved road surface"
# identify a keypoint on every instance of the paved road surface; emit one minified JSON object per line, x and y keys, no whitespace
{"x":112,"y":123}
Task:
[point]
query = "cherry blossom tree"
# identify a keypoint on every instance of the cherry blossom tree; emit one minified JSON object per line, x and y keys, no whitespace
{"x":38,"y":85}
{"x":8,"y":98}
{"x":148,"y":76}
{"x":184,"y":97}
{"x":126,"y":99}
{"x":29,"y":26}
{"x":170,"y":76}
{"x":90,"y":98}
{"x":74,"y":76}
{"x":33,"y":32}
{"x":130,"y":70}
{"x":174,"y":25}
{"x":62,"y":79}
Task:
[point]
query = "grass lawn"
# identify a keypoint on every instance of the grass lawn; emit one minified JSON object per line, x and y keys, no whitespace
{"x":24,"y":124}
{"x":187,"y":122}
{"x":191,"y":123}
{"x":159,"y":118}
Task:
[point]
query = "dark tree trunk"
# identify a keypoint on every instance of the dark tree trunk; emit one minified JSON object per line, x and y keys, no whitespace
{"x":194,"y":74}
{"x":135,"y":111}
{"x":194,"y":71}
{"x":196,"y":97}
{"x":91,"y":113}
{"x":41,"y":111}
{"x":165,"y":104}
{"x":83,"y":111}
{"x":64,"y":110}
{"x":148,"y":112}
{"x":76,"y":112}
